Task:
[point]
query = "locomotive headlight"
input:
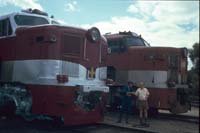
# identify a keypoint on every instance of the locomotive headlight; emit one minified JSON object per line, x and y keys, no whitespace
{"x":46,"y":39}
{"x":52,"y":38}
{"x":94,"y":34}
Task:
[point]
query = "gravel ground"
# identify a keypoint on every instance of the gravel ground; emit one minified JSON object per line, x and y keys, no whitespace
{"x":156,"y":125}
{"x":18,"y":125}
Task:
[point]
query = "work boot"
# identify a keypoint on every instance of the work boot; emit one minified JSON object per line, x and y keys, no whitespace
{"x":141,"y":123}
{"x":145,"y":122}
{"x":118,"y":121}
{"x":126,"y":118}
{"x":120,"y":118}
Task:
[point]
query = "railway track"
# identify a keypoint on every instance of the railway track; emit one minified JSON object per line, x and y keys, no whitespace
{"x":195,"y":103}
{"x":104,"y":128}
{"x":185,"y":118}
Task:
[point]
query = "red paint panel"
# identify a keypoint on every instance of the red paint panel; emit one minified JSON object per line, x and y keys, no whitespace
{"x":7,"y":48}
{"x":52,"y":100}
{"x":162,"y":95}
{"x":59,"y":101}
{"x":27,"y":46}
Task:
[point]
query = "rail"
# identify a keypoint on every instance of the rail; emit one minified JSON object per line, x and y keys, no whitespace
{"x":195,"y":103}
{"x":109,"y":128}
{"x":185,"y":118}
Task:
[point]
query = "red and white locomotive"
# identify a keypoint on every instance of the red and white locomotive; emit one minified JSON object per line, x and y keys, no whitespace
{"x":162,"y":69}
{"x":51,"y":70}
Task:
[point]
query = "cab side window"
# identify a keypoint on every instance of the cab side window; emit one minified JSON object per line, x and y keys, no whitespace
{"x":5,"y":27}
{"x":117,"y":46}
{"x":114,"y":46}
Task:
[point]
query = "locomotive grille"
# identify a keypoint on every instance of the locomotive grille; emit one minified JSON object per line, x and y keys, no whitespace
{"x":173,"y":68}
{"x":72,"y":44}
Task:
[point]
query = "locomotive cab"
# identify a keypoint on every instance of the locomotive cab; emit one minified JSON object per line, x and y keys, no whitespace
{"x":9,"y":23}
{"x":120,"y":43}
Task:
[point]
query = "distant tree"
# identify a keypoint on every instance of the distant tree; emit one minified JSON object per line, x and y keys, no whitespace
{"x":193,"y":80}
{"x":193,"y":74}
{"x":194,"y":56}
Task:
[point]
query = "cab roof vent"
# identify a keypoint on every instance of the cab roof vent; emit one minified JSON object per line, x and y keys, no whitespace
{"x":129,"y":33}
{"x":35,"y":11}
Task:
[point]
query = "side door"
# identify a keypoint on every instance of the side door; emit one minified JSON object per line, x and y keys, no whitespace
{"x":0,"y":69}
{"x":7,"y":47}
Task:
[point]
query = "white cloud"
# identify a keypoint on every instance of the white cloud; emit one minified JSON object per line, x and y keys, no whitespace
{"x":71,"y":6}
{"x":22,"y":3}
{"x":163,"y":29}
{"x":176,"y":11}
{"x":61,"y":22}
{"x":132,"y":9}
{"x":143,"y":8}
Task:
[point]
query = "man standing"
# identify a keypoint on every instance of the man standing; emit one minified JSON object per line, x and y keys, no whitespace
{"x":126,"y":101}
{"x":142,"y":94}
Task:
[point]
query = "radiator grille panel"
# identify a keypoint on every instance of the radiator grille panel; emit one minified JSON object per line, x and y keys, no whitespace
{"x":72,"y":44}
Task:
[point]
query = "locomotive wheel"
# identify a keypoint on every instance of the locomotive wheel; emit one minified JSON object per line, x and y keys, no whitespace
{"x":178,"y":108}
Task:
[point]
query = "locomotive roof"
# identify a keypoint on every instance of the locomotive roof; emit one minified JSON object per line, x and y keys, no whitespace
{"x":11,"y":15}
{"x":24,"y":13}
{"x":45,"y":16}
{"x":121,"y":35}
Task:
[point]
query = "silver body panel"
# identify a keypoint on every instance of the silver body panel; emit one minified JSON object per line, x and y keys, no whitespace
{"x":153,"y":79}
{"x":44,"y":72}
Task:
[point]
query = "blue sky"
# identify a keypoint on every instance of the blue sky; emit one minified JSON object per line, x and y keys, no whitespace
{"x":161,"y":23}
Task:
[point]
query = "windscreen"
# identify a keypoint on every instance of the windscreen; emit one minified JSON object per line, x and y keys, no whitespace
{"x":121,"y":44}
{"x":133,"y":41}
{"x":29,"y":20}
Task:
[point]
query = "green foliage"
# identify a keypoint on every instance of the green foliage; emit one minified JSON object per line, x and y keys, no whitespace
{"x":194,"y":56}
{"x":193,"y":80}
{"x":193,"y":74}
